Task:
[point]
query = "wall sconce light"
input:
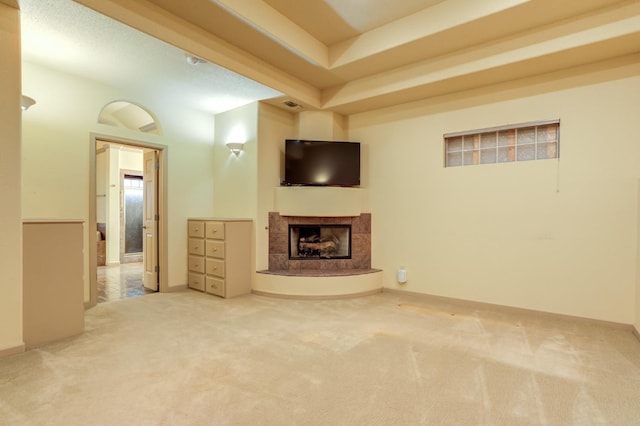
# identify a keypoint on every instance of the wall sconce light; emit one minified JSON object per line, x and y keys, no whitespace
{"x":235,"y":147}
{"x":27,"y":102}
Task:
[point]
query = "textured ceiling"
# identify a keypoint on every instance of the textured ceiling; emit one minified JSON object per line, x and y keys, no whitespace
{"x":66,"y":36}
{"x":350,"y":56}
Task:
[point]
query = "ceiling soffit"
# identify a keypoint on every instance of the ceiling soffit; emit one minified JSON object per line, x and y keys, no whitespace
{"x":590,"y":39}
{"x":445,"y":33}
{"x":442,"y":46}
{"x":333,"y":21}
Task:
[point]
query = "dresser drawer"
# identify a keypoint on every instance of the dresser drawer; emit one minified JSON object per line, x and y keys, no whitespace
{"x":215,"y":230}
{"x":196,"y":246}
{"x":215,"y":286}
{"x":215,"y":248}
{"x":196,"y":281}
{"x":215,"y":267}
{"x":196,"y":264}
{"x":196,"y":229}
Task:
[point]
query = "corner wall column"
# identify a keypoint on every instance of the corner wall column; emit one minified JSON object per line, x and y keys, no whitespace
{"x":10,"y":184}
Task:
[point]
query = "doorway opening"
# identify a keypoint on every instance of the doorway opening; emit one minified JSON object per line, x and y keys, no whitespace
{"x":131,"y":215}
{"x":127,"y":219}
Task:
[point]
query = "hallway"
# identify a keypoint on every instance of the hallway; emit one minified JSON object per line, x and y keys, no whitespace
{"x":120,"y":282}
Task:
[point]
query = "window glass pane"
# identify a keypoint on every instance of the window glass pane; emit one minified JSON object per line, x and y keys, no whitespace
{"x":468,"y":142}
{"x":487,"y":156}
{"x":526,"y":135}
{"x":454,"y":159}
{"x":454,"y":144}
{"x":488,"y":140}
{"x":505,"y":155}
{"x":507,"y":137}
{"x":468,"y":158}
{"x":547,"y":150}
{"x":133,"y":182}
{"x":526,"y":152}
{"x":548,"y":133}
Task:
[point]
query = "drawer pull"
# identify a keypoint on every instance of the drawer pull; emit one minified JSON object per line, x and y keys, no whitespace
{"x":215,"y":250}
{"x":196,"y":247}
{"x":195,"y":228}
{"x":214,"y":231}
{"x":215,"y":268}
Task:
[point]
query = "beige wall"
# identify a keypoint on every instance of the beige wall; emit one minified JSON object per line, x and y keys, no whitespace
{"x":131,"y":159}
{"x":235,"y":177}
{"x":113,"y":204}
{"x":56,"y":141}
{"x":637,"y":320}
{"x":10,"y":185}
{"x":556,"y":236}
{"x":275,"y":125}
{"x":320,"y":125}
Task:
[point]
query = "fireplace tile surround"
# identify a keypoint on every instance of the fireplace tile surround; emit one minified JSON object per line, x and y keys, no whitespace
{"x":279,"y":262}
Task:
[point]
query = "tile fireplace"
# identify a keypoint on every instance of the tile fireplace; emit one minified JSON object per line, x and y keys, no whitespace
{"x":331,"y":244}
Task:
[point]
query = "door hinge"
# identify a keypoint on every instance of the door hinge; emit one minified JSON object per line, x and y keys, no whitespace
{"x":157,"y":166}
{"x":156,"y":217}
{"x":157,"y":268}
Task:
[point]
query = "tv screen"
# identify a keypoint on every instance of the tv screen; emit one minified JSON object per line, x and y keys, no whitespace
{"x":321,"y":163}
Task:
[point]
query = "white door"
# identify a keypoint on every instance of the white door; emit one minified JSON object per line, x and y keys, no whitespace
{"x":150,"y":221}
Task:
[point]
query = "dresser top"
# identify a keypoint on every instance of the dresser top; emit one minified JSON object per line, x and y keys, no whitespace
{"x":50,"y":220}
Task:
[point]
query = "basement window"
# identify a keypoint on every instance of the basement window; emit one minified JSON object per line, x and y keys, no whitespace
{"x":537,"y":140}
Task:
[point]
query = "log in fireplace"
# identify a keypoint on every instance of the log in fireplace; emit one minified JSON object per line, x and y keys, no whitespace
{"x":319,"y":242}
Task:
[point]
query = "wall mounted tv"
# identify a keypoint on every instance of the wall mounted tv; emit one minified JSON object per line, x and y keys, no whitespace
{"x":321,"y":163}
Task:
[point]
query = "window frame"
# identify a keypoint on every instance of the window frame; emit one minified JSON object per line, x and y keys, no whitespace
{"x":471,"y":144}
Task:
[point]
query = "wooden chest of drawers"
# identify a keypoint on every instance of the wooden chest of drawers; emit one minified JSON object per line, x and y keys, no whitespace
{"x":220,"y":256}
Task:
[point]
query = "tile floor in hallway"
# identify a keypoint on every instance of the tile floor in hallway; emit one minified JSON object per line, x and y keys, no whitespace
{"x":119,"y":282}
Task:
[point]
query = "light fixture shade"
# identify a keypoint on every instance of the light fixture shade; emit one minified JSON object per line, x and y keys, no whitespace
{"x":194,"y":60}
{"x":27,"y":102}
{"x":235,"y":147}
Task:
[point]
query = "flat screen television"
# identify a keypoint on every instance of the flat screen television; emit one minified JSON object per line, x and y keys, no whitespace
{"x":321,"y":163}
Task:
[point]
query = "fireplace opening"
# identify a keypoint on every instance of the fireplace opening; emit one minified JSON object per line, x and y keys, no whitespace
{"x":319,"y":242}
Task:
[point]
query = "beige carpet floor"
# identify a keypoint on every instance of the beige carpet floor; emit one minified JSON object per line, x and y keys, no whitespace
{"x":192,"y":359}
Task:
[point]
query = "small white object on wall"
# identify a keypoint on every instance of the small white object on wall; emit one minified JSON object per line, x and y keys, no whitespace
{"x":235,"y":147}
{"x":27,"y":102}
{"x":402,"y":275}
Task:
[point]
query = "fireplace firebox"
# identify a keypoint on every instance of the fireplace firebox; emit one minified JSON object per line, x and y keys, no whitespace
{"x":308,"y":242}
